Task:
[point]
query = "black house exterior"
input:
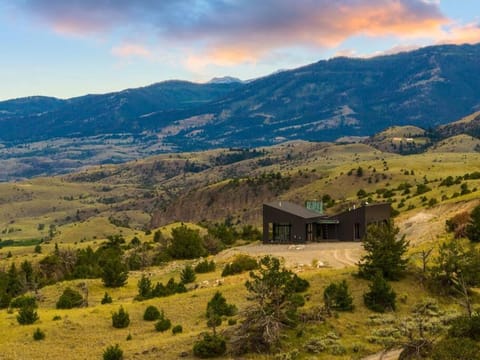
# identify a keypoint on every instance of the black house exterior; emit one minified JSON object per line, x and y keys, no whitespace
{"x":289,"y":223}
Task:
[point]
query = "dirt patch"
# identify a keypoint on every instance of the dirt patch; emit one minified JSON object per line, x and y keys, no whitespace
{"x":333,"y":254}
{"x":429,"y":224}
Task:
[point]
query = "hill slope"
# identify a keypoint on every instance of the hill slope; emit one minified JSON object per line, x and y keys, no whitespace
{"x":321,"y":101}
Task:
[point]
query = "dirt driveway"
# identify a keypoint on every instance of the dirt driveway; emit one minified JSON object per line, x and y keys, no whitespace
{"x":332,"y":254}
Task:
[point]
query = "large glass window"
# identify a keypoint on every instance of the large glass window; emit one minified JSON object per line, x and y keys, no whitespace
{"x":282,"y":232}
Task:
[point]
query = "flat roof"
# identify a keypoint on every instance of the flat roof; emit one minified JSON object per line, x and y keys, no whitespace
{"x":294,"y":209}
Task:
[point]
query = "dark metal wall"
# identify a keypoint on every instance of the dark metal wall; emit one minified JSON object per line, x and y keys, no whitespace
{"x":352,"y":223}
{"x":272,"y":215}
{"x":360,"y":217}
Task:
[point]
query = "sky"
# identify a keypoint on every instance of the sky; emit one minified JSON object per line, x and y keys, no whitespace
{"x":68,"y":48}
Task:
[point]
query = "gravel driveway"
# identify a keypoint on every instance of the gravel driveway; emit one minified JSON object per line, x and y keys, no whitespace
{"x":330,"y":254}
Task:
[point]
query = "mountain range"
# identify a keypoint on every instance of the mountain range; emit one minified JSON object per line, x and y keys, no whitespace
{"x":323,"y":101}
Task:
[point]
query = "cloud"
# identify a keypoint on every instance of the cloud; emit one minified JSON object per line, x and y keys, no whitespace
{"x":461,"y":34}
{"x":230,"y":31}
{"x":128,"y":50}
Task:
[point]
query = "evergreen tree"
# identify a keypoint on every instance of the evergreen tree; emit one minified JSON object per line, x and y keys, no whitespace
{"x":274,"y":304}
{"x":144,"y":288}
{"x":186,"y":243}
{"x":337,"y":296}
{"x":187,"y":275}
{"x":120,"y":319}
{"x":114,"y":273}
{"x":14,"y":283}
{"x":473,"y":228}
{"x":218,"y":306}
{"x":381,"y":296}
{"x":385,"y":253}
{"x":27,"y":315}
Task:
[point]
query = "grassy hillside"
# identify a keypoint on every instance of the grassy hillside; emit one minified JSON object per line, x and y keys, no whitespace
{"x":139,"y":198}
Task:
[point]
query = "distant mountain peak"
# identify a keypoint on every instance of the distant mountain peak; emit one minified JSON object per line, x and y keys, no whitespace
{"x":225,"y":80}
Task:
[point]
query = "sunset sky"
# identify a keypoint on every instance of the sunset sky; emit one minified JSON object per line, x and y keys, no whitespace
{"x":69,"y":48}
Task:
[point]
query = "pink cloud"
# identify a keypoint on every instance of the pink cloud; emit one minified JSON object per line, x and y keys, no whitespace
{"x":461,"y":34}
{"x":231,"y":32}
{"x":131,"y":50}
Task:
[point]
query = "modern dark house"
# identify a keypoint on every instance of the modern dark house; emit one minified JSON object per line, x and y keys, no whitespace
{"x":286,"y":223}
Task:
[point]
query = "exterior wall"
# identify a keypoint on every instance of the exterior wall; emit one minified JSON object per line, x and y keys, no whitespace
{"x":347,"y":221}
{"x":354,"y":223}
{"x":275,"y":216}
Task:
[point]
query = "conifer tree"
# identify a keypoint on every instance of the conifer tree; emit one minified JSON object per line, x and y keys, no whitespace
{"x":385,"y":253}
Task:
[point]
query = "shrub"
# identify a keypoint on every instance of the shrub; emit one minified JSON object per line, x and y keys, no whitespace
{"x":299,"y":284}
{"x":113,"y":353}
{"x":38,"y":335}
{"x":187,"y":275}
{"x":240,"y":264}
{"x":337,"y":296}
{"x":114,"y":273}
{"x":466,"y":327}
{"x":218,"y":306}
{"x":186,"y":243}
{"x":455,"y":348}
{"x":27,"y":315}
{"x":163,"y":324}
{"x":205,"y":266}
{"x":177,"y":329}
{"x":385,"y":252}
{"x":69,"y":299}
{"x":144,"y":288}
{"x":120,"y":319}
{"x":457,"y":224}
{"x":209,"y":346}
{"x":381,"y":296}
{"x":472,"y":229}
{"x":23,"y":301}
{"x":107,"y":299}
{"x":151,"y":313}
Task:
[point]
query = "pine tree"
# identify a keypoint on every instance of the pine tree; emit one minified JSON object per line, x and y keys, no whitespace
{"x":337,"y":296}
{"x":187,"y":275}
{"x":114,"y":273}
{"x":473,"y":228}
{"x":385,"y":253}
{"x":381,"y":296}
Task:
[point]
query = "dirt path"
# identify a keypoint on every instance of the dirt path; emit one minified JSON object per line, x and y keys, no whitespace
{"x":333,"y":254}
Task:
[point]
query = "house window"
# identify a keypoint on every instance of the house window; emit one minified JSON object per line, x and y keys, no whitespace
{"x":282,"y":232}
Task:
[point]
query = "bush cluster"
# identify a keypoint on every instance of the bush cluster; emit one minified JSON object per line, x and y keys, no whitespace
{"x":240,"y":264}
{"x":38,"y":335}
{"x":163,"y":323}
{"x":113,"y":353}
{"x":120,"y":319}
{"x":27,"y":315}
{"x":337,"y":296}
{"x":151,"y":313}
{"x":205,"y":266}
{"x":69,"y":299}
{"x":210,"y":346}
{"x":147,"y":291}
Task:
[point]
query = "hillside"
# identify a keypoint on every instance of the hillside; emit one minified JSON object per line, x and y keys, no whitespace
{"x":458,"y":143}
{"x":322,"y":101}
{"x":400,"y":139}
{"x":228,"y":186}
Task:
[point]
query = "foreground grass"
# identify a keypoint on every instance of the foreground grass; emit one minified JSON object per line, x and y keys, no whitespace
{"x":84,"y":333}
